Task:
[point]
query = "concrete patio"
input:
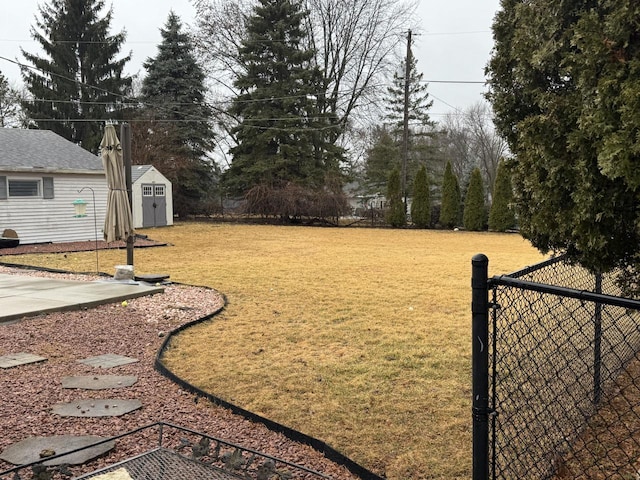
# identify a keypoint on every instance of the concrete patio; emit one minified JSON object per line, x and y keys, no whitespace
{"x":24,"y":296}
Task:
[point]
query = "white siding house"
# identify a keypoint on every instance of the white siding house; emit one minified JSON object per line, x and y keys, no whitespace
{"x":41,"y":175}
{"x":151,"y":197}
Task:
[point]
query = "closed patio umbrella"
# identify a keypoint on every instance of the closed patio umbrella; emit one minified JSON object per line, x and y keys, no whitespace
{"x":118,"y":221}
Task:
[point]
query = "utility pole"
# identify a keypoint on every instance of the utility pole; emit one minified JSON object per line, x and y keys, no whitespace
{"x":405,"y":134}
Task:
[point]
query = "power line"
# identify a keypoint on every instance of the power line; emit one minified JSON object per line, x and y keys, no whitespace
{"x":128,"y":101}
{"x":473,"y":32}
{"x":462,"y":82}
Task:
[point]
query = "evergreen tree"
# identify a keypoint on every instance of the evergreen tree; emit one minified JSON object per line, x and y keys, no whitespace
{"x":174,"y":96}
{"x":381,"y":158}
{"x":78,"y":74}
{"x":421,"y":204}
{"x":395,"y":214}
{"x":419,"y":102}
{"x":279,"y":134}
{"x":475,"y":212}
{"x":501,"y":216}
{"x":564,"y":88}
{"x":420,"y":124}
{"x":450,"y":208}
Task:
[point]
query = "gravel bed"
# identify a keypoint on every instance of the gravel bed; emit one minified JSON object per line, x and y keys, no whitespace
{"x":28,"y":393}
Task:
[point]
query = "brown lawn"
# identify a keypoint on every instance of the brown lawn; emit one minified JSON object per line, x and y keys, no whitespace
{"x":359,"y":337}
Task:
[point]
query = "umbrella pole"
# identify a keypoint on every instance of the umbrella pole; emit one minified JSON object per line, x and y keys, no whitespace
{"x":125,"y":140}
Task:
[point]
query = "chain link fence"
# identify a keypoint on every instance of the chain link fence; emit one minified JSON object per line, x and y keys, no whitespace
{"x":556,"y":375}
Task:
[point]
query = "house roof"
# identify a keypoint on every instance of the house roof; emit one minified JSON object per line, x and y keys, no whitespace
{"x":43,"y":150}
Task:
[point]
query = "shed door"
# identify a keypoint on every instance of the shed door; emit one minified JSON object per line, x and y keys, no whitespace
{"x":154,"y":205}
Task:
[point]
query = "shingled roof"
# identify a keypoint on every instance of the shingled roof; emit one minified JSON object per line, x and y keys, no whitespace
{"x":139,"y":170}
{"x":25,"y":150}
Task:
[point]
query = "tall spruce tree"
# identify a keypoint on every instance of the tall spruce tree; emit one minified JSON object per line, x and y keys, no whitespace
{"x":79,"y":78}
{"x":474,"y":217}
{"x":395,"y":215}
{"x":420,"y":123}
{"x":501,"y":216}
{"x":421,"y":202}
{"x":450,"y":207}
{"x":174,"y":96}
{"x":279,"y":132}
{"x":419,"y":101}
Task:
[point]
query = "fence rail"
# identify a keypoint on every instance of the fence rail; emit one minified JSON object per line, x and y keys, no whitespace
{"x":556,"y":376}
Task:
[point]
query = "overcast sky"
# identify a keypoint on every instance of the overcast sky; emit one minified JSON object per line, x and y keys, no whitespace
{"x":454,"y":45}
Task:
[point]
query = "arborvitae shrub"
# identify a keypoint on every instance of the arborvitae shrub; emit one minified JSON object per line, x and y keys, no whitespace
{"x":450,"y":208}
{"x":501,"y":217}
{"x":395,"y":216}
{"x":475,"y":212}
{"x":421,"y":205}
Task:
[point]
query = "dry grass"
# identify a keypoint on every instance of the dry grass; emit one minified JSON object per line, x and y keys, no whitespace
{"x":358,"y":337}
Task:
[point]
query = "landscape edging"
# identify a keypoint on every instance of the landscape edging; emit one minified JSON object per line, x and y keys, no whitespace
{"x":328,"y":451}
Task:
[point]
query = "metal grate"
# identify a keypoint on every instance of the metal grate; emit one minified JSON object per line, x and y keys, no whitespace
{"x":173,"y":453}
{"x":163,"y":464}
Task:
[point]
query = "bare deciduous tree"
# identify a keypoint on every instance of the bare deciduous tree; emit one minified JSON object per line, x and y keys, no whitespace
{"x":10,"y":112}
{"x":469,"y":140}
{"x":489,"y":147}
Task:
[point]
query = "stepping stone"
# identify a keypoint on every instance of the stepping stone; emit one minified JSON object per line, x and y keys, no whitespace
{"x":110,"y":407}
{"x":30,"y":449}
{"x":98,"y":382}
{"x":108,"y":360}
{"x":16,"y":359}
{"x":152,"y":277}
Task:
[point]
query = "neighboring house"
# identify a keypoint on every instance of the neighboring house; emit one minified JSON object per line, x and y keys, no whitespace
{"x":152,"y":197}
{"x":41,"y":174}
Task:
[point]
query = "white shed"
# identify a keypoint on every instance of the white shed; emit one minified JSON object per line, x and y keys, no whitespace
{"x":151,"y":197}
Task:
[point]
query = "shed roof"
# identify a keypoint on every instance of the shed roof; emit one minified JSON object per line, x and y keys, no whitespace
{"x":139,"y":170}
{"x":23,"y":150}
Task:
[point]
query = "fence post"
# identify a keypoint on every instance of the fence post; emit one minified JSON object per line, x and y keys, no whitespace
{"x":597,"y":343}
{"x":480,"y":365}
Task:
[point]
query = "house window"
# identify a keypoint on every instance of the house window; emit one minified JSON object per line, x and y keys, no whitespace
{"x":159,"y":190}
{"x":24,"y":188}
{"x":147,"y":190}
{"x":47,"y":187}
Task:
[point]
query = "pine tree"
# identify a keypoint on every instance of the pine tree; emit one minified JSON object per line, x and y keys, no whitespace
{"x":79,"y":74}
{"x":475,"y":211}
{"x":420,"y":123}
{"x":419,"y":102}
{"x":279,"y":134}
{"x":421,"y":204}
{"x":450,"y":208}
{"x":501,"y":217}
{"x":395,"y":214}
{"x":381,"y":158}
{"x":174,"y":95}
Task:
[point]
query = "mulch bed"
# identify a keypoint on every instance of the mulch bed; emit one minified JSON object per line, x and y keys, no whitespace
{"x":140,"y":242}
